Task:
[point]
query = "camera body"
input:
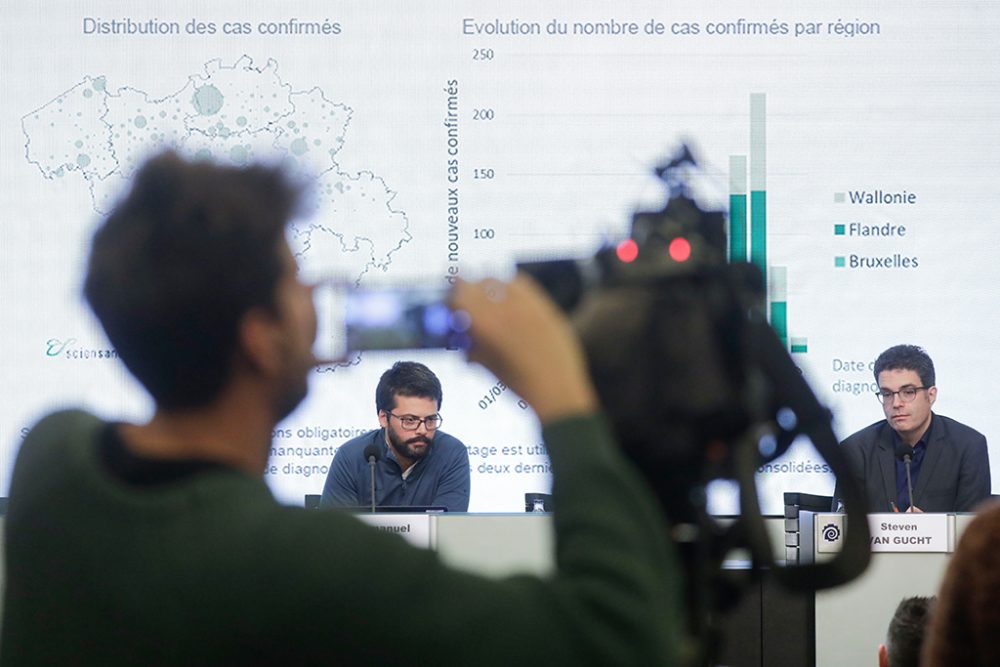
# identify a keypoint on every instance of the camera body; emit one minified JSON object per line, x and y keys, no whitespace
{"x":667,"y":324}
{"x":698,"y":387}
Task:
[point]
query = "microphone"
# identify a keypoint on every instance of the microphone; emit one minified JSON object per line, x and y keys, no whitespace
{"x":905,"y":454}
{"x":372,"y":454}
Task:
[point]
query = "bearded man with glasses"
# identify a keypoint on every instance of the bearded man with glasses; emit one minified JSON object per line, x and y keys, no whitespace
{"x":417,"y":464}
{"x":950,"y":464}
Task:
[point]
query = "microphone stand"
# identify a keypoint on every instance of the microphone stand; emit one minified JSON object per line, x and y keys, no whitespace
{"x":371,"y":469}
{"x":904,"y":453}
{"x":909,"y":483}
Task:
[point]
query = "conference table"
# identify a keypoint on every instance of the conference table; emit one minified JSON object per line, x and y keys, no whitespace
{"x":771,"y":627}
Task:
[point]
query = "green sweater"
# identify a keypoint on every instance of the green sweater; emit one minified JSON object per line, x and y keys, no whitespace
{"x":212,"y":570}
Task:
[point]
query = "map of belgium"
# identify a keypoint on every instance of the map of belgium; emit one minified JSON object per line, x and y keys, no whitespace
{"x":231,"y":114}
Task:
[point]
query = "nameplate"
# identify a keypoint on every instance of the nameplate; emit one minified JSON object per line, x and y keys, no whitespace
{"x":414,"y":528}
{"x":926,"y":533}
{"x":895,"y":532}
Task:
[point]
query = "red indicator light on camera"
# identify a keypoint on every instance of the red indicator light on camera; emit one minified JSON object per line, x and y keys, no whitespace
{"x":627,"y":250}
{"x":679,"y":249}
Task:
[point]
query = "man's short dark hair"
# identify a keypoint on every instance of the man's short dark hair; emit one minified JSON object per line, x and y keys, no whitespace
{"x":906,"y":631}
{"x":180,"y":260}
{"x":908,"y":358}
{"x":406,"y":378}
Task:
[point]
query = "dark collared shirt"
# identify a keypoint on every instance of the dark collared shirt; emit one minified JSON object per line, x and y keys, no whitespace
{"x":916,"y":461}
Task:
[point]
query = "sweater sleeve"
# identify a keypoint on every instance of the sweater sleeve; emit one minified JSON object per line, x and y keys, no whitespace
{"x":341,"y":487}
{"x":453,"y":486}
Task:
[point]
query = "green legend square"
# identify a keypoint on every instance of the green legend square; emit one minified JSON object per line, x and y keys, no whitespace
{"x":839,"y":230}
{"x":838,"y":262}
{"x":839,"y":197}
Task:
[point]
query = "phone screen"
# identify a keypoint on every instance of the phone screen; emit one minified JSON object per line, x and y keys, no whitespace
{"x":352,"y":319}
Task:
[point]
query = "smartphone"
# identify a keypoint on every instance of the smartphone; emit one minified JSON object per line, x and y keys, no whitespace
{"x":353,"y":319}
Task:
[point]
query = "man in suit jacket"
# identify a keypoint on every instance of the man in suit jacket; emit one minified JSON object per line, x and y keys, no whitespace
{"x":950,"y":465}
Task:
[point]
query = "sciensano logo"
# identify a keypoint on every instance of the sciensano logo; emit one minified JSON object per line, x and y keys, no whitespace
{"x":70,"y":348}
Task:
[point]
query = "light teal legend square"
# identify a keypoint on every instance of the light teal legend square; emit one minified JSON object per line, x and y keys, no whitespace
{"x":839,"y":230}
{"x":839,"y":197}
{"x":838,"y":262}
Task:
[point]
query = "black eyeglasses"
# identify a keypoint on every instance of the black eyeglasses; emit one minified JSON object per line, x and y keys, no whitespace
{"x":907,"y":394}
{"x":412,"y":423}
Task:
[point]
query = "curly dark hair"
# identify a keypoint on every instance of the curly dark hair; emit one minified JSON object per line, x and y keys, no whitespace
{"x":172,"y":270}
{"x":907,"y":357}
{"x":406,"y":378}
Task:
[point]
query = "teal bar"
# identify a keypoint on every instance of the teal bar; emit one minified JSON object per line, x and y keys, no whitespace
{"x":737,"y":228}
{"x":737,"y":208}
{"x":799,"y":345}
{"x":758,"y":230}
{"x":779,"y":321}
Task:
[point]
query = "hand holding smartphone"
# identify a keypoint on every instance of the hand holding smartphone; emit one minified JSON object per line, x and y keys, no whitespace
{"x":352,"y":319}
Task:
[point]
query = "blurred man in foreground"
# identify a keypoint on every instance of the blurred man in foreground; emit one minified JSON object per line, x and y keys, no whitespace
{"x":160,"y":544}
